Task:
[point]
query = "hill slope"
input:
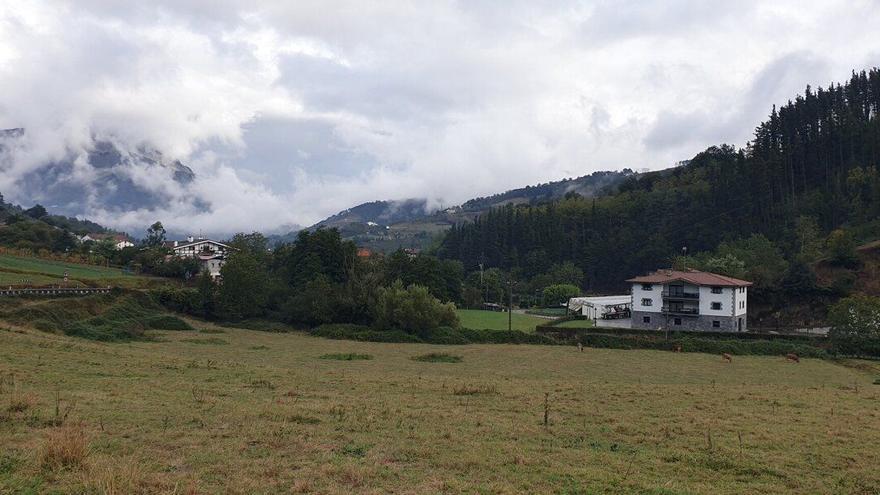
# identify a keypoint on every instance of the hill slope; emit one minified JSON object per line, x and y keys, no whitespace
{"x":388,"y":225}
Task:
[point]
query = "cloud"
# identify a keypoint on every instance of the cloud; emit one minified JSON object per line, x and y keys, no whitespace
{"x":291,"y":111}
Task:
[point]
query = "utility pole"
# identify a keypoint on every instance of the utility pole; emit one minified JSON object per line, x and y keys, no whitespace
{"x":509,"y":304}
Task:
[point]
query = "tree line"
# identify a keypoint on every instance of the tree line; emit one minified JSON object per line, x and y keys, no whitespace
{"x":806,"y":184}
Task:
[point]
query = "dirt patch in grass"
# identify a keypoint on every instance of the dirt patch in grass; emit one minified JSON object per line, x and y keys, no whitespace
{"x":437,"y":357}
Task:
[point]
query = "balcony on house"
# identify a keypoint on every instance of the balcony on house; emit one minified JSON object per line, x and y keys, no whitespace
{"x":681,"y":293}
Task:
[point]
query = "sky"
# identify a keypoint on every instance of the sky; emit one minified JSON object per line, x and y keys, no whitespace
{"x":289,"y":112}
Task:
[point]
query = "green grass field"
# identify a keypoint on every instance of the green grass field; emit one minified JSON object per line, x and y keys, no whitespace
{"x":240,"y":411}
{"x":14,"y":269}
{"x":496,"y":320}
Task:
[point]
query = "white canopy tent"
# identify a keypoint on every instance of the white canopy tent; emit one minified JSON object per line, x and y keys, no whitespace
{"x":595,"y":307}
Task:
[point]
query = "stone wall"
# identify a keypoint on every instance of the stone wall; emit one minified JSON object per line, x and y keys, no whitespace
{"x":660,"y":321}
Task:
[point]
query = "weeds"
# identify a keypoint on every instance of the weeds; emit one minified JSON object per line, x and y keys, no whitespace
{"x":347,"y":357}
{"x":115,"y":477}
{"x":264,"y":384}
{"x":437,"y":357}
{"x":355,"y":450}
{"x":475,"y":390}
{"x":64,"y":447}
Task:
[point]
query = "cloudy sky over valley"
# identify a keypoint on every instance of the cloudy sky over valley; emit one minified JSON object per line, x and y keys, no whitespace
{"x":288,"y":112}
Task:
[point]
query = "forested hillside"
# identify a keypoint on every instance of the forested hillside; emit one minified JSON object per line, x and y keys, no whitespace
{"x":805,"y":188}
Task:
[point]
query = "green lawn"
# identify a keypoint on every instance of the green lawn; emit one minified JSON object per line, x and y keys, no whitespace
{"x":57,"y":268}
{"x":495,"y":320}
{"x":14,"y":269}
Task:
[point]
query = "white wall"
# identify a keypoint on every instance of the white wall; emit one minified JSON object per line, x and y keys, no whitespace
{"x":655,"y":295}
{"x":741,"y":297}
{"x":725,"y":298}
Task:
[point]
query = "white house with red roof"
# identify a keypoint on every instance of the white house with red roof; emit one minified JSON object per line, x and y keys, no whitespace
{"x":689,"y":300}
{"x":212,"y":254}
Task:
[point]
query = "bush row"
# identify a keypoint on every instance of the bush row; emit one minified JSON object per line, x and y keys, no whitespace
{"x":441,"y":335}
{"x":706,"y":345}
{"x":451,"y":336}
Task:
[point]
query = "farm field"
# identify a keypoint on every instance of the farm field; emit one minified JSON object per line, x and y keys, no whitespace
{"x":497,"y":320}
{"x":238,"y":411}
{"x":13,"y":269}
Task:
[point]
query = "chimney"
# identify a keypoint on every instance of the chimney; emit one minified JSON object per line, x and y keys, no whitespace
{"x":175,"y":243}
{"x":190,"y":239}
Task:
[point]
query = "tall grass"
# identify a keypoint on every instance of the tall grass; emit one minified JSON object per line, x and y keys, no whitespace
{"x":107,"y":317}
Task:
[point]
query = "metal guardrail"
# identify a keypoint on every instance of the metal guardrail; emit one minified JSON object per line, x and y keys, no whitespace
{"x":55,"y":291}
{"x":680,"y":295}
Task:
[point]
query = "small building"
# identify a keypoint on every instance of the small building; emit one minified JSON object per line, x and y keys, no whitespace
{"x":689,"y":300}
{"x":120,"y":241}
{"x":602,"y":307}
{"x":212,"y":254}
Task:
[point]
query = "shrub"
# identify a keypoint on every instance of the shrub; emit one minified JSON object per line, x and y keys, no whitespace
{"x":855,"y":326}
{"x":180,"y":300}
{"x":348,"y":331}
{"x":347,"y":357}
{"x":413,"y":310}
{"x":437,"y":357}
{"x":167,"y":322}
{"x":559,"y":293}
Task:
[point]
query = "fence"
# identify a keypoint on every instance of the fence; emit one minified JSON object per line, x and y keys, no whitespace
{"x":55,"y":291}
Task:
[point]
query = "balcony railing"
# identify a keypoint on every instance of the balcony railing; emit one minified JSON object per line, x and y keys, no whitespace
{"x":680,"y":294}
{"x":681,"y":311}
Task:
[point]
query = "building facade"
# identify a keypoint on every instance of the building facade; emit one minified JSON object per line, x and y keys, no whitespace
{"x":211,"y":254}
{"x":689,"y":300}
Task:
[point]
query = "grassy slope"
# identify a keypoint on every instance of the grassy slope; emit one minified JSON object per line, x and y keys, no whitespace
{"x":45,"y":272}
{"x":495,"y":320}
{"x":253,"y":412}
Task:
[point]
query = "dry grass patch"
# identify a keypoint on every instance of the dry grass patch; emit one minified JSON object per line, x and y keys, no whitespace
{"x":115,"y":476}
{"x":20,"y":402}
{"x":64,"y":447}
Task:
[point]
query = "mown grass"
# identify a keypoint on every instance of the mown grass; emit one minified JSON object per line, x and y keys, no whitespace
{"x":36,"y":271}
{"x":158,"y":417}
{"x":495,"y":320}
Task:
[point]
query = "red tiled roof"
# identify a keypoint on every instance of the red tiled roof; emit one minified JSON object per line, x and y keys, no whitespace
{"x":695,"y":277}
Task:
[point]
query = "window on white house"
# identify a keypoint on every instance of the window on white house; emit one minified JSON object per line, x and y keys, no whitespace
{"x":716,"y":324}
{"x":716,"y":290}
{"x":716,"y":305}
{"x":647,"y":287}
{"x":646,"y":319}
{"x":677,"y":321}
{"x":647,"y":302}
